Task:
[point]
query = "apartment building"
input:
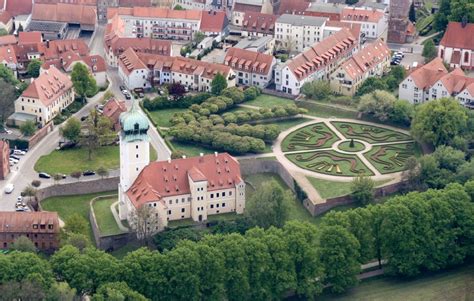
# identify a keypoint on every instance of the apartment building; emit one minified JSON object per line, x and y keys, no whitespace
{"x":373,"y":22}
{"x":372,"y":60}
{"x":457,"y":45}
{"x":46,"y":96}
{"x":258,"y":25}
{"x":332,"y":11}
{"x":454,"y":84}
{"x":317,"y":62}
{"x":297,"y":32}
{"x":251,"y":68}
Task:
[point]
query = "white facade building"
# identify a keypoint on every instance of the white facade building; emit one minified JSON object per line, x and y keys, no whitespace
{"x":374,"y":23}
{"x":299,"y":32}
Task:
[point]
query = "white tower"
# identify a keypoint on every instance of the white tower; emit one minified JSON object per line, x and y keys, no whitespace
{"x":134,"y":152}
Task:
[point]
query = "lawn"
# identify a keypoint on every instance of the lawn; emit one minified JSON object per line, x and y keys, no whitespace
{"x":355,"y":147}
{"x":391,"y":158}
{"x":452,"y":284}
{"x":190,"y":150}
{"x":331,"y":189}
{"x":105,"y":218}
{"x":68,"y":205}
{"x":369,"y":133}
{"x":268,"y":101}
{"x":162,"y":117}
{"x":330,"y":162}
{"x":283,"y":125}
{"x":313,"y":136}
{"x":326,"y":111}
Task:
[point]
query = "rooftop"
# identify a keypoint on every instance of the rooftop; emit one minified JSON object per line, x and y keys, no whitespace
{"x":425,"y":76}
{"x":361,"y":15}
{"x":29,"y":222}
{"x":297,"y":20}
{"x":459,"y":36}
{"x":246,"y":60}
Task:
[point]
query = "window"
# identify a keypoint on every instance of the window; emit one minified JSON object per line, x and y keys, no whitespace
{"x":217,"y":205}
{"x":170,"y":202}
{"x":212,"y":206}
{"x":212,"y":195}
{"x":182,"y":210}
{"x":466,"y":57}
{"x":177,"y":201}
{"x":223,"y":205}
{"x":230,"y":193}
{"x":223,"y":194}
{"x":169,"y":212}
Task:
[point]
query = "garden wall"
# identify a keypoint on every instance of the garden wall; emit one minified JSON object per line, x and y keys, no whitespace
{"x":253,"y":166}
{"x":40,"y":134}
{"x":278,"y":94}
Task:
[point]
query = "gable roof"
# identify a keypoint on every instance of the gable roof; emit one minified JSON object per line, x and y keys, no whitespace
{"x":243,"y":7}
{"x":254,"y":61}
{"x":213,"y":21}
{"x":297,"y":20}
{"x":154,"y":12}
{"x":7,"y":40}
{"x":361,"y":15}
{"x":65,"y":12}
{"x":28,"y":37}
{"x":296,"y":7}
{"x":456,"y":81}
{"x":8,"y":54}
{"x":22,"y":222}
{"x":5,"y":17}
{"x":170,"y":178}
{"x":457,"y":36}
{"x":19,"y":7}
{"x":428,"y":74}
{"x":129,"y":61}
{"x":258,"y":22}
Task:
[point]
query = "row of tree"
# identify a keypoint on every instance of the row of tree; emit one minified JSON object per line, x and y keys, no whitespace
{"x":163,"y":102}
{"x":388,"y":82}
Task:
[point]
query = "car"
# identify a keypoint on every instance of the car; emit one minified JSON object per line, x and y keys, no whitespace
{"x":122,"y":88}
{"x":88,"y":173}
{"x":127,"y":96}
{"x":9,"y":188}
{"x":14,"y":161}
{"x":63,"y":176}
{"x":124,"y":91}
{"x":394,"y":63}
{"x":19,"y":199}
{"x":15,"y":157}
{"x":67,"y":145}
{"x":399,"y":53}
{"x":19,"y":152}
{"x":44,"y":175}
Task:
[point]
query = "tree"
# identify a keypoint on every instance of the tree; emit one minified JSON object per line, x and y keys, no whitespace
{"x":75,"y":223}
{"x":402,"y":112}
{"x":145,"y":222}
{"x":76,"y":174}
{"x":71,"y":130}
{"x":57,"y":177}
{"x":20,"y":28}
{"x":77,"y":240}
{"x":84,"y":83}
{"x":337,"y":243}
{"x":28,"y":128}
{"x":36,"y":183}
{"x":178,"y":7}
{"x":24,"y":244}
{"x":198,"y":37}
{"x":317,"y":89}
{"x":362,"y":189}
{"x":7,"y":100}
{"x":7,"y":75}
{"x":167,"y":240}
{"x":441,"y":18}
{"x":3,"y":32}
{"x":117,"y":291}
{"x":378,"y":103}
{"x":34,"y":67}
{"x":289,"y":44}
{"x":102,"y":172}
{"x":439,"y":121}
{"x":429,"y":50}
{"x":371,"y":84}
{"x":61,"y":291}
{"x":30,"y":192}
{"x":269,"y":206}
{"x":412,"y":13}
{"x":97,"y":131}
{"x":219,"y":83}
{"x":176,"y":90}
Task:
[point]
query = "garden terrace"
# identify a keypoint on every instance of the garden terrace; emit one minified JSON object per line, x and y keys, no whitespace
{"x":369,"y":133}
{"x":314,"y":136}
{"x":391,"y":158}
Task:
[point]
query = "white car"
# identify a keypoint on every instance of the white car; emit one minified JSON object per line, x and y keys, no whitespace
{"x":9,"y":188}
{"x":19,"y":152}
{"x":14,"y":161}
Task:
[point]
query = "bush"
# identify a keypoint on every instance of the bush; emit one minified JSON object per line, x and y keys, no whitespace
{"x":36,"y":183}
{"x":162,"y":102}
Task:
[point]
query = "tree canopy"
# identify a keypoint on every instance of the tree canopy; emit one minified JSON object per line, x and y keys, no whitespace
{"x":34,"y":67}
{"x":218,"y":83}
{"x":84,"y":83}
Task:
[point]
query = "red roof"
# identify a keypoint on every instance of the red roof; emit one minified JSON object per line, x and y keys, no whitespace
{"x":164,"y":179}
{"x":213,"y":21}
{"x":81,"y":2}
{"x":19,"y":7}
{"x":7,"y":40}
{"x":69,"y":13}
{"x":361,"y":15}
{"x":293,"y":7}
{"x":242,"y":7}
{"x":258,"y":22}
{"x":5,"y":17}
{"x":239,"y":59}
{"x":22,"y":222}
{"x":8,"y":54}
{"x":29,"y":37}
{"x":426,"y":75}
{"x":112,"y":109}
{"x":456,"y":81}
{"x":457,"y":36}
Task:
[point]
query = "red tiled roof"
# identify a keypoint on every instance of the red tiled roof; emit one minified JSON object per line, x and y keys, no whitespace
{"x":293,"y":7}
{"x":28,"y":37}
{"x":457,"y":36}
{"x":258,"y":22}
{"x":22,"y":222}
{"x":112,"y":109}
{"x":8,"y":54}
{"x":7,"y":40}
{"x":132,"y":3}
{"x":255,"y":61}
{"x":212,"y":21}
{"x":69,"y":13}
{"x":353,"y":27}
{"x":428,"y":74}
{"x":57,"y":47}
{"x":80,"y":2}
{"x":130,"y":61}
{"x":5,"y":17}
{"x":456,"y":81}
{"x":163,"y":179}
{"x":366,"y":58}
{"x":241,"y":7}
{"x":50,"y":85}
{"x":361,"y":15}
{"x":19,"y":7}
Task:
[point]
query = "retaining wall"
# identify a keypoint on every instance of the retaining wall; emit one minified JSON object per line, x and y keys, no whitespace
{"x":254,"y":166}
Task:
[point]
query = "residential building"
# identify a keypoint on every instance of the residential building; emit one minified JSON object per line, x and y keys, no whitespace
{"x":456,"y":48}
{"x":41,"y":227}
{"x":415,"y":88}
{"x":112,"y":110}
{"x":373,"y":22}
{"x":18,"y":7}
{"x":258,"y":25}
{"x":296,"y":32}
{"x":264,"y":44}
{"x":251,"y":68}
{"x":32,"y":37}
{"x":194,"y":4}
{"x":7,"y":40}
{"x":241,"y":7}
{"x":293,"y":7}
{"x":103,"y":5}
{"x":331,"y":27}
{"x":372,"y":60}
{"x":316,"y":63}
{"x":332,"y":11}
{"x":454,"y":84}
{"x":8,"y":58}
{"x":400,"y":29}
{"x":46,"y":96}
{"x":4,"y":159}
{"x":188,"y":188}
{"x":83,"y":15}
{"x":143,"y":70}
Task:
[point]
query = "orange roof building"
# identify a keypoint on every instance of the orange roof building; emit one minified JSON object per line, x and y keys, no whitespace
{"x":258,"y":24}
{"x":83,"y":15}
{"x":373,"y":22}
{"x":457,"y":45}
{"x":112,"y":110}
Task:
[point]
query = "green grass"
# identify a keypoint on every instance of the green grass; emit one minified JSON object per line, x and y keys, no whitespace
{"x":326,"y":111}
{"x":283,"y":125}
{"x":153,"y":154}
{"x":190,"y":150}
{"x":268,"y":101}
{"x":162,"y":117}
{"x":68,"y":205}
{"x":331,"y":189}
{"x":448,"y":285}
{"x":313,"y":136}
{"x":421,"y":24}
{"x":330,"y":162}
{"x":77,"y":159}
{"x":105,"y":219}
{"x":346,"y":146}
{"x":369,"y":133}
{"x":392,"y":157}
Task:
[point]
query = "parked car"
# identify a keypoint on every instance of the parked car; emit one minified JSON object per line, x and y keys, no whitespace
{"x":399,"y":53}
{"x":66,"y":145}
{"x":140,"y":92}
{"x":127,"y":96}
{"x":88,"y":173}
{"x":14,"y":161}
{"x":122,"y":88}
{"x":124,"y":91}
{"x":9,"y":188}
{"x":15,"y":157}
{"x":19,"y":152}
{"x":19,"y":199}
{"x":44,"y":175}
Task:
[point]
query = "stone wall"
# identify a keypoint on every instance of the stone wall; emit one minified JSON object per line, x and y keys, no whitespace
{"x":254,"y":166}
{"x":45,"y":130}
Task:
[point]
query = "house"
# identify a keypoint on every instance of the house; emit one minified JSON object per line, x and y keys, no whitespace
{"x":296,"y":32}
{"x":241,"y":7}
{"x":188,"y":188}
{"x":83,"y":15}
{"x":41,"y":227}
{"x":18,"y":7}
{"x":7,"y":40}
{"x":104,"y":5}
{"x":454,"y":84}
{"x":251,"y":68}
{"x":194,"y":4}
{"x":331,"y":11}
{"x":263,"y":45}
{"x":4,"y":159}
{"x":112,"y":110}
{"x":143,"y":70}
{"x":8,"y":57}
{"x":31,"y":37}
{"x":415,"y":88}
{"x":214,"y":24}
{"x":258,"y":25}
{"x":293,"y":7}
{"x":399,"y":26}
{"x":456,"y":48}
{"x":372,"y":60}
{"x":316,"y":63}
{"x":332,"y":27}
{"x":373,"y":22}
{"x":46,"y":96}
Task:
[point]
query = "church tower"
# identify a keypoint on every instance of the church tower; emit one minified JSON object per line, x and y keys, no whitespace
{"x":134,"y":150}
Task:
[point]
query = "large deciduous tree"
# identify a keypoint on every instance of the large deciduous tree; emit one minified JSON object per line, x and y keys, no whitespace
{"x":84,"y":83}
{"x":218,"y":83}
{"x":362,"y":189}
{"x":6,"y":100}
{"x":34,"y":67}
{"x":429,"y":50}
{"x":96,"y":132}
{"x":71,"y":130}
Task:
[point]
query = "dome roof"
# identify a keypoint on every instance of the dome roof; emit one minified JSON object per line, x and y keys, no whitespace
{"x":134,"y":123}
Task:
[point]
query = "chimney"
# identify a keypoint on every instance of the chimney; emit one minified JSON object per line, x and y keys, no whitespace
{"x":169,"y":160}
{"x":201,"y":154}
{"x":47,"y":43}
{"x":215,"y":154}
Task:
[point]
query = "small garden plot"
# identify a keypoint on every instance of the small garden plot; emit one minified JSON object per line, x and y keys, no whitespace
{"x":162,"y":117}
{"x":369,"y":133}
{"x":314,"y":136}
{"x":330,"y":163}
{"x":391,"y":158}
{"x":104,"y":217}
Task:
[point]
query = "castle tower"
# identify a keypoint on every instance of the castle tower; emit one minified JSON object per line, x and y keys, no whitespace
{"x":134,"y":150}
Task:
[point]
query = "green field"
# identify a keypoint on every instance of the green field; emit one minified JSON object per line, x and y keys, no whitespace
{"x":313,"y":136}
{"x":68,"y":205}
{"x":391,"y":158}
{"x":452,"y":285}
{"x":369,"y":133}
{"x":105,"y":219}
{"x":326,"y":111}
{"x":331,"y":163}
{"x":283,"y":125}
{"x":268,"y":101}
{"x":162,"y":117}
{"x":190,"y":150}
{"x":331,"y":189}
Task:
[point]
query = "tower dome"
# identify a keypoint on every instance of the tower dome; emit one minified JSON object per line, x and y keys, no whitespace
{"x":134,"y":124}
